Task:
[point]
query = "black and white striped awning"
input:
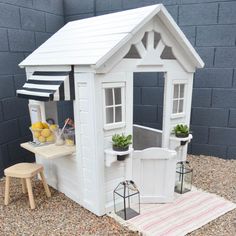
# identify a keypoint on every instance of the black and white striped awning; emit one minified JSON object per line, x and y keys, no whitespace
{"x":49,"y":86}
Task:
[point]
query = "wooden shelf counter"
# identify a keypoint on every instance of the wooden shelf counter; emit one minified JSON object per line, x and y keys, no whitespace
{"x":50,"y":151}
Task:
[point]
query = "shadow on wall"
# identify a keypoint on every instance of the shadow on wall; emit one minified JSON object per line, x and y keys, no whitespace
{"x":24,"y":25}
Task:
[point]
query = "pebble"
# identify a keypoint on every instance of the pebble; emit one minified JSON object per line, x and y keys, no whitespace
{"x":216,"y":175}
{"x":61,"y":216}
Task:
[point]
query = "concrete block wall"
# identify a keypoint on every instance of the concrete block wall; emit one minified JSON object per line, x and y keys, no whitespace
{"x":24,"y":25}
{"x":148,"y":99}
{"x":210,"y":25}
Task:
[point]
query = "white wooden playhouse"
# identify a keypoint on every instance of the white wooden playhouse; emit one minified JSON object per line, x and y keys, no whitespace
{"x":91,"y":62}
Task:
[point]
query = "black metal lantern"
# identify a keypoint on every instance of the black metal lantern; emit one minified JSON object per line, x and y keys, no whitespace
{"x":126,"y":200}
{"x":184,"y":175}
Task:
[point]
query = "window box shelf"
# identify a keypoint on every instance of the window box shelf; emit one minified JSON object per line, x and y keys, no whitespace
{"x":174,"y":138}
{"x":111,"y":155}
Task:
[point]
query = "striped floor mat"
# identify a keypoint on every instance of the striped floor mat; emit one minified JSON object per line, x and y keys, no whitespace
{"x":187,"y":213}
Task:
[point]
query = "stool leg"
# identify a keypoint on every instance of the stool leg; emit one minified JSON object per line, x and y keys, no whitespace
{"x":23,"y":184}
{"x":7,"y":190}
{"x":30,"y":193}
{"x":48,"y":193}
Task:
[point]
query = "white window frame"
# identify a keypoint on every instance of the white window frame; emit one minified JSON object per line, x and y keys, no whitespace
{"x":114,"y":85}
{"x":181,"y":114}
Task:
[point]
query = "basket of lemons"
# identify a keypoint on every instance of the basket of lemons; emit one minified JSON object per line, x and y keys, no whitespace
{"x":43,"y":133}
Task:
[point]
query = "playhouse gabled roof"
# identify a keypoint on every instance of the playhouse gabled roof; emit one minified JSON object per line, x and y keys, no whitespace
{"x":94,"y":40}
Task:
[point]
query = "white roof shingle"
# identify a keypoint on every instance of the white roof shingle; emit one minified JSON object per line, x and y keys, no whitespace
{"x":91,"y":41}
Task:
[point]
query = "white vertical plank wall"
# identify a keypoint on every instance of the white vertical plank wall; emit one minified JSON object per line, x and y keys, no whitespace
{"x":118,"y":171}
{"x":61,"y":173}
{"x":89,"y":171}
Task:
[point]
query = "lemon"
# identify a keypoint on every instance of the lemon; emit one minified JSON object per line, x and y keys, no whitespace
{"x":45,"y":125}
{"x":37,"y":125}
{"x":42,"y":139}
{"x":53,"y":127}
{"x":33,"y":127}
{"x":36,"y":134}
{"x":69,"y":142}
{"x":45,"y":133}
{"x":50,"y":138}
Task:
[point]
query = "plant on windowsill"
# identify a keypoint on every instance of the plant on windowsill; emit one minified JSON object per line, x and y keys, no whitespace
{"x":181,"y":131}
{"x":121,"y":143}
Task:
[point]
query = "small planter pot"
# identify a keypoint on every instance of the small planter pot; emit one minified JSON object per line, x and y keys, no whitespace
{"x":120,"y":149}
{"x":121,"y":157}
{"x":182,"y":143}
{"x":181,"y":135}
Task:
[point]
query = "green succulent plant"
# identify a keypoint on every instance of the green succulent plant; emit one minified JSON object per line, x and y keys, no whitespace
{"x":121,"y":141}
{"x":181,"y":130}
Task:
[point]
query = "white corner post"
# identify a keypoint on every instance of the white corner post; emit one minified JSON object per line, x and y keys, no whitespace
{"x":90,"y":162}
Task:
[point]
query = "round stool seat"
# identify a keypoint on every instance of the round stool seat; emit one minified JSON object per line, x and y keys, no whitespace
{"x":23,"y":170}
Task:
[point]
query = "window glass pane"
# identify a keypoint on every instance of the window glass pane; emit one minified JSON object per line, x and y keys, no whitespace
{"x":109,"y":115}
{"x":108,"y":96}
{"x":181,"y":91}
{"x":181,"y":106}
{"x":117,"y":95}
{"x":118,"y":114}
{"x":176,"y":90}
{"x":175,"y":107}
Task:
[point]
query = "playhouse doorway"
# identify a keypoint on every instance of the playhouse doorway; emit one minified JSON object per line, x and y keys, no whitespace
{"x":148,"y":99}
{"x":148,"y":109}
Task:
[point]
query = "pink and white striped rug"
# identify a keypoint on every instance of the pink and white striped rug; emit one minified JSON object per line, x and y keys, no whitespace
{"x":187,"y":213}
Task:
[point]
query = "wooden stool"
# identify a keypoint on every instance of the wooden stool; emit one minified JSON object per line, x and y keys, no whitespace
{"x":25,"y":171}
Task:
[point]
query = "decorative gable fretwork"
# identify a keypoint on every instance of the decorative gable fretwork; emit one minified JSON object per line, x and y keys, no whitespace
{"x":151,"y":50}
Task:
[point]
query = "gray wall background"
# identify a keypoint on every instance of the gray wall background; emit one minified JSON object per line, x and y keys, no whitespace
{"x":24,"y":25}
{"x":209,"y":24}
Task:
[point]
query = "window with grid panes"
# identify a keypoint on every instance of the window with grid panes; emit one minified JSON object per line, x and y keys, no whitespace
{"x":178,"y":99}
{"x":114,"y":105}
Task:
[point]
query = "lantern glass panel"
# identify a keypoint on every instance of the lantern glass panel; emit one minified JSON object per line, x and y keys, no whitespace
{"x":127,"y":200}
{"x":184,"y":176}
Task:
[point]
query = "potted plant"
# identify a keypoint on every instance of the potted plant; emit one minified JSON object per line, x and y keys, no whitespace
{"x":181,"y":131}
{"x":121,"y":143}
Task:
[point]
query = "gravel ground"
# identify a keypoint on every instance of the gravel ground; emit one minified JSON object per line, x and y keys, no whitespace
{"x":217,"y":176}
{"x":62,"y":216}
{"x":57,"y":216}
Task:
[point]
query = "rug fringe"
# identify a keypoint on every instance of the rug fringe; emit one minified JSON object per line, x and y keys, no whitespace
{"x":130,"y":225}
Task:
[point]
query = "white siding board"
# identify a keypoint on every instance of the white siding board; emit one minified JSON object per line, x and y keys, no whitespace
{"x":110,"y":184}
{"x":62,"y":174}
{"x":83,"y":104}
{"x":117,"y":172}
{"x":90,"y":173}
